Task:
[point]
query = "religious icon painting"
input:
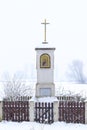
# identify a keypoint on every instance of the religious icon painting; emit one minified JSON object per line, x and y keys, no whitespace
{"x":45,"y":61}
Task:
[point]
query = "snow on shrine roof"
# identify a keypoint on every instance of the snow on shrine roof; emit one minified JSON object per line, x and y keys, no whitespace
{"x":45,"y":46}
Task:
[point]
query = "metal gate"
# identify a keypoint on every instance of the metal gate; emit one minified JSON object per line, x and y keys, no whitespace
{"x":71,"y":111}
{"x":44,"y":112}
{"x":16,"y":110}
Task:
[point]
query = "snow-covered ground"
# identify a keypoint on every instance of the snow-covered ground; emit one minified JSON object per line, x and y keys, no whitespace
{"x":36,"y":126}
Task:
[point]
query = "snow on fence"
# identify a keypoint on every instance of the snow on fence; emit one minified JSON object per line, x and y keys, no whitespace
{"x":44,"y":112}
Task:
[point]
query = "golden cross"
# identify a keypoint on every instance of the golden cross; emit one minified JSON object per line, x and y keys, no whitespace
{"x":45,"y":23}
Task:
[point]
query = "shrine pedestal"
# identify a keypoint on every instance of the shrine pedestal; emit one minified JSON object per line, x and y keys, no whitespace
{"x":45,"y":90}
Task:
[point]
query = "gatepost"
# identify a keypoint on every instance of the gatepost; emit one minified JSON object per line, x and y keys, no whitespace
{"x":1,"y":112}
{"x":86,"y":112}
{"x":56,"y":111}
{"x":31,"y":111}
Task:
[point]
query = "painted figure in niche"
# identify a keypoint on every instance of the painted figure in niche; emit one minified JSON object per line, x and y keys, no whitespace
{"x":45,"y":61}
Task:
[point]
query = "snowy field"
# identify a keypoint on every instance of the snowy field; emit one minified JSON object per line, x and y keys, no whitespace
{"x":36,"y":126}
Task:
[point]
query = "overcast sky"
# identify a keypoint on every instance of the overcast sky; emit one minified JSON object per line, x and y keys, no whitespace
{"x":21,"y":31}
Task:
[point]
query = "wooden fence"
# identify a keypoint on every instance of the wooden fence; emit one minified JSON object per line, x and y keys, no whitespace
{"x":73,"y":112}
{"x":16,"y":110}
{"x":44,"y":112}
{"x":67,"y":111}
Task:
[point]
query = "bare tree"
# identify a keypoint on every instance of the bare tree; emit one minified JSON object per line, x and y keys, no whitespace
{"x":76,"y":73}
{"x":15,"y":86}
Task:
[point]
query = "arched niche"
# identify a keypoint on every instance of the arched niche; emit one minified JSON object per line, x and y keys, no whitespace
{"x":45,"y":61}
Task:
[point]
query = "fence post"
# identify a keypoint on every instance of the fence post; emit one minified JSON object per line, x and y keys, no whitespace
{"x":1,"y":112}
{"x":31,"y":111}
{"x":56,"y":111}
{"x":85,"y":112}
